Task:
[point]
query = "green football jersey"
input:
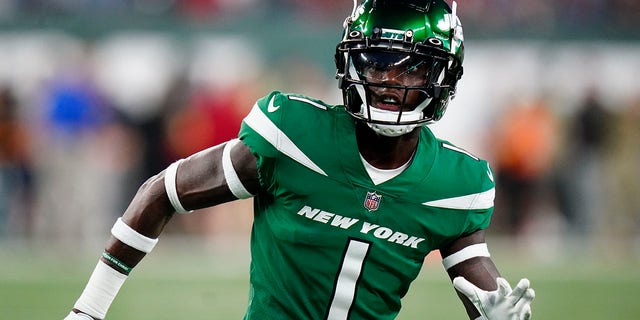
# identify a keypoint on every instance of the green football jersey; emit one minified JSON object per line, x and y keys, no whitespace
{"x":328,"y":243}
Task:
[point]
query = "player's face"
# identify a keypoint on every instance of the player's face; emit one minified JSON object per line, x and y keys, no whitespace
{"x":393,"y":79}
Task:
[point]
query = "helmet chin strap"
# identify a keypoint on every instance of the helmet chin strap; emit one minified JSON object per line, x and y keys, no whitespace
{"x":389,"y":130}
{"x":392,"y":130}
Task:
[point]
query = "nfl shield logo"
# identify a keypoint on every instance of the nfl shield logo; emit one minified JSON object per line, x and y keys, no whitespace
{"x":372,"y":201}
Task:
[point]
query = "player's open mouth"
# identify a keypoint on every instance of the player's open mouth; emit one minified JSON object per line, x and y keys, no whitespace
{"x":387,"y":103}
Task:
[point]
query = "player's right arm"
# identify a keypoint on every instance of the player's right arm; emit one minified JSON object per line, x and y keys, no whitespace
{"x":484,"y":293}
{"x":216,"y":175}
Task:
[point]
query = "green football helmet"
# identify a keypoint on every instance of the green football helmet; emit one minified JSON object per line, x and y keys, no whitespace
{"x":399,"y":61}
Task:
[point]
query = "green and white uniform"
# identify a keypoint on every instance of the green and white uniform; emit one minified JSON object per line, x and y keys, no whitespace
{"x":320,"y":249}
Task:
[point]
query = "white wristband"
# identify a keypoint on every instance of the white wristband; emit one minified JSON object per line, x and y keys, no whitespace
{"x":100,"y":291}
{"x":132,"y":238}
{"x":170,"y":176}
{"x":472,"y":251}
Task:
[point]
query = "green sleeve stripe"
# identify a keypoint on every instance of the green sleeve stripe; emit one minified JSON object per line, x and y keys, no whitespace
{"x":482,"y":200}
{"x":261,"y":124}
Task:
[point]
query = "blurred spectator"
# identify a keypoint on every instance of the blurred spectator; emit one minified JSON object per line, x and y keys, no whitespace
{"x":15,"y":169}
{"x":623,"y":178}
{"x":156,"y":152}
{"x":525,"y":144}
{"x":84,"y":155}
{"x":208,"y":119}
{"x":580,"y":175}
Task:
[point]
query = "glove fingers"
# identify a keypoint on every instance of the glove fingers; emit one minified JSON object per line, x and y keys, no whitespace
{"x":504,"y":288}
{"x":467,"y":288}
{"x":526,"y":298}
{"x":526,"y":313}
{"x":521,"y":288}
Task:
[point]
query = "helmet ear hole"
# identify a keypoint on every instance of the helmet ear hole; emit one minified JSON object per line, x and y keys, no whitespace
{"x":434,"y":41}
{"x":355,"y":34}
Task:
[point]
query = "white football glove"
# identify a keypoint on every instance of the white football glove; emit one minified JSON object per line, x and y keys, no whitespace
{"x":77,"y":316}
{"x":502,"y":303}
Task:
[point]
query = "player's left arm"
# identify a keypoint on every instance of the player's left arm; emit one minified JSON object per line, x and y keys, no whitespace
{"x":484,"y":293}
{"x":210,"y":177}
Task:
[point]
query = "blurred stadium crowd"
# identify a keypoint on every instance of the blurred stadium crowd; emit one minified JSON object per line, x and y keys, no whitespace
{"x":85,"y":117}
{"x":495,"y":17}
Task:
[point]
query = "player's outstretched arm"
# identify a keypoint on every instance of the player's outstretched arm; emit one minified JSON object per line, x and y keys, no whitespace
{"x":216,"y":175}
{"x":485,"y":295}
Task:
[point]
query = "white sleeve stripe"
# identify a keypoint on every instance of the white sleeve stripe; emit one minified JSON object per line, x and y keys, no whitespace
{"x":101,"y":289}
{"x":472,"y":251}
{"x":261,"y":124}
{"x":476,"y":201}
{"x":454,"y":148}
{"x":315,"y":104}
{"x":233,"y":181}
{"x":131,"y":237}
{"x":170,"y":176}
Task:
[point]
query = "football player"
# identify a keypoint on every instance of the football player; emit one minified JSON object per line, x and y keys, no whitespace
{"x":348,"y":199}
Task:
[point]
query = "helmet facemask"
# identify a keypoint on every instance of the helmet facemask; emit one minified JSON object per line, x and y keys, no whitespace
{"x":391,"y":90}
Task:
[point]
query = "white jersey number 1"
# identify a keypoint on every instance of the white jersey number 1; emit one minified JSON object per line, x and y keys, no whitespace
{"x":347,"y":280}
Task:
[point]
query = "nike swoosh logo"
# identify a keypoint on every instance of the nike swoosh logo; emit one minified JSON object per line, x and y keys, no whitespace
{"x":271,"y":107}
